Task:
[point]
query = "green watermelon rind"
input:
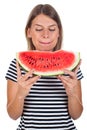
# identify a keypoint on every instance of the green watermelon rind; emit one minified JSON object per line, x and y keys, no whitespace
{"x":51,"y":73}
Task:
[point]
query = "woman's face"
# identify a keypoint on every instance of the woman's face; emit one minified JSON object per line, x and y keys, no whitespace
{"x":44,"y":33}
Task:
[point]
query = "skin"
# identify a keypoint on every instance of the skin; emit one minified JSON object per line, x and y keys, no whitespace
{"x":44,"y":33}
{"x":73,"y":89}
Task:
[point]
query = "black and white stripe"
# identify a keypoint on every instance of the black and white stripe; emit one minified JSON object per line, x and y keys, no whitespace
{"x":46,"y":105}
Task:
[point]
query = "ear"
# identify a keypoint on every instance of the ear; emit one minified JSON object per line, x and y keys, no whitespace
{"x":29,"y":33}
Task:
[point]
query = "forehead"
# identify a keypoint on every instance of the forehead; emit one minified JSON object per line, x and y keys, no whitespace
{"x":43,"y":20}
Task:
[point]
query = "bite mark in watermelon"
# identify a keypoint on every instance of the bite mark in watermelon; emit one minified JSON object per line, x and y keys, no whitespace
{"x":48,"y":63}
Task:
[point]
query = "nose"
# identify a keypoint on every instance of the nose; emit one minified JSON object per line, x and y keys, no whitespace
{"x":45,"y":33}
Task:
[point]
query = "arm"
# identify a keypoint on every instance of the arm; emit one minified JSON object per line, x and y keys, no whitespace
{"x":17,"y":91}
{"x":75,"y":106}
{"x":14,"y":102}
{"x":73,"y":89}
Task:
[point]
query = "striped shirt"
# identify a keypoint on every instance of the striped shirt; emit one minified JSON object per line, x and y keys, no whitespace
{"x":46,"y":105}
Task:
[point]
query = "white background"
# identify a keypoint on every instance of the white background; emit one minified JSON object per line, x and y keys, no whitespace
{"x":13,"y":17}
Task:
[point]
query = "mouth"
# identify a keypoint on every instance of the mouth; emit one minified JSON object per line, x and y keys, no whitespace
{"x":45,"y":42}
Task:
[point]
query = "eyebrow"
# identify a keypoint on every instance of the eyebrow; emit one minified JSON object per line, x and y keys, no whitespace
{"x":48,"y":26}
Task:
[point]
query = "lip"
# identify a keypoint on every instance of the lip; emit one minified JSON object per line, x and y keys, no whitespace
{"x":45,"y":42}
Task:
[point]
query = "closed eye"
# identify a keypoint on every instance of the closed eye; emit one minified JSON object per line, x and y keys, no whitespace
{"x":51,"y":29}
{"x":38,"y":29}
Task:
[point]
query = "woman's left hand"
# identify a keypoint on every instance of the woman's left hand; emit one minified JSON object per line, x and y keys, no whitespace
{"x":70,"y":82}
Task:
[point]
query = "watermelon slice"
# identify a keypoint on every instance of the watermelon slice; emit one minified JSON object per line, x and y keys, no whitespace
{"x":48,"y":63}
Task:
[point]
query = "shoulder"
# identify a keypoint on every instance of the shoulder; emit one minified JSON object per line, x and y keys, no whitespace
{"x":12,"y":71}
{"x":13,"y":63}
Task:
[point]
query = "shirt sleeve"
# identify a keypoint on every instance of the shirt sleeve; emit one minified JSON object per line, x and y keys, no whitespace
{"x":12,"y":71}
{"x":79,"y":74}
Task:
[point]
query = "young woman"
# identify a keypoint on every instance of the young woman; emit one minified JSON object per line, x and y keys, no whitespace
{"x":44,"y":103}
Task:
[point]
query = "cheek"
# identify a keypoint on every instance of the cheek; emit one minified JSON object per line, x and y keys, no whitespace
{"x":34,"y":35}
{"x":55,"y":36}
{"x":31,"y":34}
{"x":34,"y":38}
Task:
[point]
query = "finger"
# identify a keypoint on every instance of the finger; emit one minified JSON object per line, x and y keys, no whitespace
{"x":73,"y":73}
{"x":28,"y":75}
{"x":18,"y":69}
{"x":70,"y":73}
{"x":31,"y":81}
{"x":64,"y":80}
{"x":34,"y":79}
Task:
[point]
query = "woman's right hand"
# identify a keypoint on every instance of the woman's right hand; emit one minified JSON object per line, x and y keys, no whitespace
{"x":25,"y":82}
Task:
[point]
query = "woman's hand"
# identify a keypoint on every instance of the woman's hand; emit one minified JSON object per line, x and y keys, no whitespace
{"x":70,"y":82}
{"x":17,"y":91}
{"x":25,"y":82}
{"x":73,"y":89}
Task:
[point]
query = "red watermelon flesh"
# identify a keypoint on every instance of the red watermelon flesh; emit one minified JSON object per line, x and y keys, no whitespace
{"x":48,"y":63}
